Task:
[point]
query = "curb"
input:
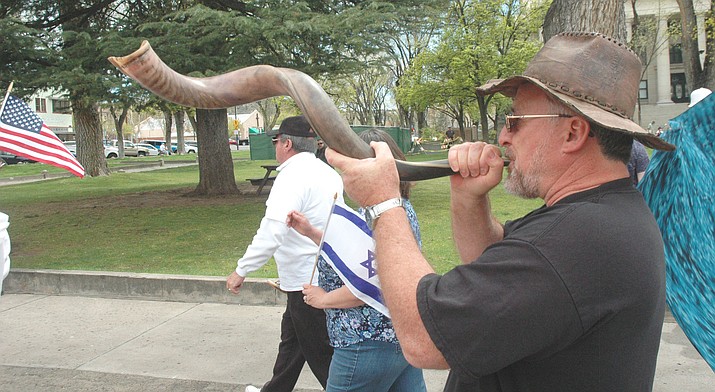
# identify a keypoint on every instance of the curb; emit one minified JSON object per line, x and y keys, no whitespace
{"x":151,"y":287}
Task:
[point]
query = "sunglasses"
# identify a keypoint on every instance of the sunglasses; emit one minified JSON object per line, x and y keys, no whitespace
{"x":512,"y":121}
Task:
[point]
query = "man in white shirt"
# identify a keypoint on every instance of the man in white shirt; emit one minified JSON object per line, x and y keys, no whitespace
{"x":306,"y":184}
{"x":4,"y":248}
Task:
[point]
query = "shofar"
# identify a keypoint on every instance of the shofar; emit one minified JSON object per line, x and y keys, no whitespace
{"x":259,"y":82}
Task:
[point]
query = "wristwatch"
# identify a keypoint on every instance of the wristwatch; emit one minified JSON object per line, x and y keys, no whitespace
{"x":374,"y":212}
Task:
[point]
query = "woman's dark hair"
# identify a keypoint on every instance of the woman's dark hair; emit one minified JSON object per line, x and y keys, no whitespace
{"x":376,"y":135}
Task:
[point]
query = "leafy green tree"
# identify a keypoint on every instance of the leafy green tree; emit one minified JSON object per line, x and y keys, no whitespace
{"x":483,"y":40}
{"x":410,"y":30}
{"x":362,"y":95}
{"x":196,"y":37}
{"x":74,"y":33}
{"x":212,"y":38}
{"x":25,"y":55}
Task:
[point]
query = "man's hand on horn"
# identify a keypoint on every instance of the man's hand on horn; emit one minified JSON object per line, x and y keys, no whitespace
{"x":479,"y":168}
{"x":368,"y":181}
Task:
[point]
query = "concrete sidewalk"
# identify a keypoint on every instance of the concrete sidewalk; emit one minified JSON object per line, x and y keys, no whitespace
{"x":77,"y":339}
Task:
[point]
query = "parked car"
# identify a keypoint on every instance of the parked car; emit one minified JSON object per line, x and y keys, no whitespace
{"x":10,"y":158}
{"x":157,"y":144}
{"x":150,"y":149}
{"x":71,"y":146}
{"x":187,"y":149}
{"x":132,"y":150}
{"x":111,"y":151}
{"x":240,"y":142}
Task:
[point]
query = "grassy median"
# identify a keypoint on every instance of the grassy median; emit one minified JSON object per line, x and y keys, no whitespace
{"x":145,"y":222}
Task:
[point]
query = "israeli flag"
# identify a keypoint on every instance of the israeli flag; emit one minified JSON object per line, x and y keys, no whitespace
{"x":349,"y":248}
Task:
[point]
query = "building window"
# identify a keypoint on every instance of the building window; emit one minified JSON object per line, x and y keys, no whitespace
{"x":678,"y":94}
{"x":676,"y":53}
{"x":643,"y":90}
{"x":40,"y":105}
{"x":61,"y":106}
{"x":675,"y":49}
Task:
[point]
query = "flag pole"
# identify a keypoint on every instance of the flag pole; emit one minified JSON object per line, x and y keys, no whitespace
{"x":7,"y":94}
{"x":322,"y":238}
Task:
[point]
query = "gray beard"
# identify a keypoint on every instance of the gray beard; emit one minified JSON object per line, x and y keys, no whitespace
{"x":526,"y":185}
{"x":521,"y":185}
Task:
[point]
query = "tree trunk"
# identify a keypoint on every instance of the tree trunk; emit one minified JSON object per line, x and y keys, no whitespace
{"x":192,"y":121}
{"x":483,"y":119}
{"x":404,"y":116}
{"x":167,"y":129}
{"x":421,"y":119}
{"x":604,"y":16}
{"x":118,"y":125}
{"x":179,"y":119}
{"x":90,"y":150}
{"x":709,"y":64}
{"x":215,"y":163}
{"x":694,"y":77}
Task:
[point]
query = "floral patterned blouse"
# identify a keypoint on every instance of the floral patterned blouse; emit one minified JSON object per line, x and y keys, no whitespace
{"x":353,"y":325}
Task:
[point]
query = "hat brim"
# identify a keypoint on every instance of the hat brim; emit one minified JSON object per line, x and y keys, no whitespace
{"x":600,"y":116}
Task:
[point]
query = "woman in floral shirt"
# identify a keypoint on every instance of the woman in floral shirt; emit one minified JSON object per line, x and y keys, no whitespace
{"x":367,"y":356}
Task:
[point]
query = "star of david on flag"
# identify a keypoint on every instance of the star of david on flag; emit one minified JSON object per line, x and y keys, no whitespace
{"x":349,"y":248}
{"x":23,"y":133}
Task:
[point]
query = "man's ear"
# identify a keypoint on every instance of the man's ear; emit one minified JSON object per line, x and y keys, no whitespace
{"x":578,"y":133}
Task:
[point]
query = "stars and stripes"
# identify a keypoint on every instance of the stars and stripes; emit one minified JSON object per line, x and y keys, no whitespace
{"x":23,"y":133}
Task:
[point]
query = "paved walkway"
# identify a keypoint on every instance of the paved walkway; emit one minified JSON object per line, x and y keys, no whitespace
{"x":92,"y":343}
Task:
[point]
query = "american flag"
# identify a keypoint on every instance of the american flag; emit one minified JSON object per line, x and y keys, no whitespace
{"x":23,"y":133}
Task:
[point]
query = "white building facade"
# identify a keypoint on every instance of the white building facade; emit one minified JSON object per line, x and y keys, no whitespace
{"x":663,"y":93}
{"x":56,"y":111}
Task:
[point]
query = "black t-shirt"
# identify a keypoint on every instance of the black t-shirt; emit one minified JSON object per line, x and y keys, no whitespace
{"x":572,"y":299}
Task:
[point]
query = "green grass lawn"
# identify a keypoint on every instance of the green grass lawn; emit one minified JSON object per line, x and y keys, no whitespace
{"x":143,"y":222}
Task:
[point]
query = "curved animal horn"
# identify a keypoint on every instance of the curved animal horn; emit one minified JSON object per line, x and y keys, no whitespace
{"x":259,"y":82}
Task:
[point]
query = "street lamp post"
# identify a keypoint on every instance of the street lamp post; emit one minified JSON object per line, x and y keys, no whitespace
{"x":235,"y":129}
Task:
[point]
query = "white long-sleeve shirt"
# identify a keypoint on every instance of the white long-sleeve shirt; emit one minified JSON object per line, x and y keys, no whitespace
{"x":306,"y":184}
{"x":4,"y":248}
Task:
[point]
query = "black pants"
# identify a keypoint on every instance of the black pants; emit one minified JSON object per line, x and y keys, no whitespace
{"x":304,"y":338}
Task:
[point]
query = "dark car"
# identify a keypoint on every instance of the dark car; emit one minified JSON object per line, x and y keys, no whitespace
{"x":12,"y":159}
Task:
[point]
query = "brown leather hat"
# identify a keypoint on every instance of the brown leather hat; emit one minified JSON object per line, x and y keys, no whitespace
{"x":591,"y":73}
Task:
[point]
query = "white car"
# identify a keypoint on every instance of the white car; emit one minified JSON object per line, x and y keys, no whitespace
{"x":109,"y":151}
{"x":72,"y":147}
{"x":189,"y":149}
{"x":150,"y":149}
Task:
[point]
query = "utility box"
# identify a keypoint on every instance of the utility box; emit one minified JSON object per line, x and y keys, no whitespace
{"x":262,"y":147}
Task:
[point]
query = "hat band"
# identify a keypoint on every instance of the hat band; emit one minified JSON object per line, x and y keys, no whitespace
{"x":586,"y":98}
